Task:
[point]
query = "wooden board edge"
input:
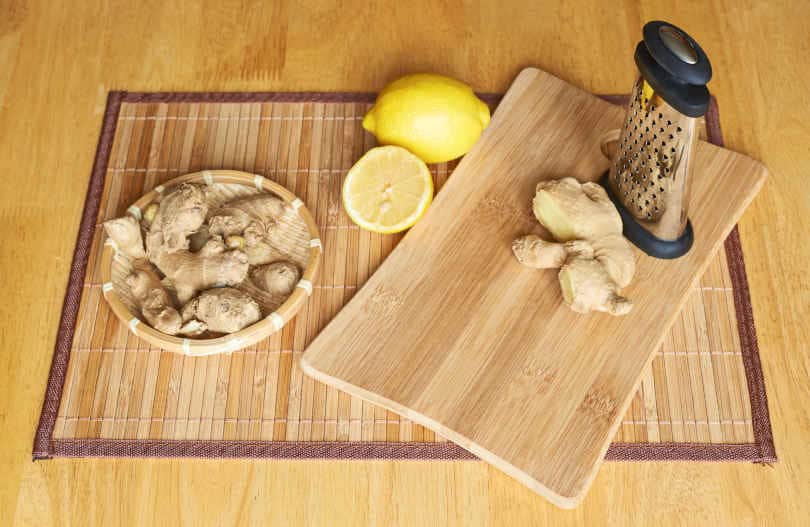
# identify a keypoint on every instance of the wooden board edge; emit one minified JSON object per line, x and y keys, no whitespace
{"x":557,"y":498}
{"x":560,"y":500}
{"x":763,"y":175}
{"x":567,"y":500}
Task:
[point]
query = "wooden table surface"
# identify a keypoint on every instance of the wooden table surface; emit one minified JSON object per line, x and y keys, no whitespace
{"x":58,"y":60}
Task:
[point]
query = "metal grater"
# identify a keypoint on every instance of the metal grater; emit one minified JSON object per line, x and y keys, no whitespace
{"x":649,"y":177}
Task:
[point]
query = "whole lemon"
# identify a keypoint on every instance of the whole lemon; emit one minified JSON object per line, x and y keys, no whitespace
{"x":435,"y":117}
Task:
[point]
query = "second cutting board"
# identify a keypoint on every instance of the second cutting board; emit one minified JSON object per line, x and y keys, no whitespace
{"x":453,"y":333}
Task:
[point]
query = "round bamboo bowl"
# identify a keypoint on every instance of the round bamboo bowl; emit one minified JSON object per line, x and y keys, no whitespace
{"x":304,"y":248}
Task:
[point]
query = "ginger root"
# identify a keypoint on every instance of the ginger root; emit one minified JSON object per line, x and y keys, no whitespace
{"x":221,"y":310}
{"x":533,"y":251}
{"x":595,"y":260}
{"x":126,"y":233}
{"x":194,"y":257}
{"x":587,"y":286}
{"x":277,"y":278}
{"x":212,"y":266}
{"x":250,"y":224}
{"x":153,"y":299}
{"x":571,"y":210}
{"x":180,"y":213}
{"x":180,"y":216}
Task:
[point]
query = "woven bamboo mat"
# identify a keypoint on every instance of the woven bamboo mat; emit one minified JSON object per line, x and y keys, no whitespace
{"x":110,"y":394}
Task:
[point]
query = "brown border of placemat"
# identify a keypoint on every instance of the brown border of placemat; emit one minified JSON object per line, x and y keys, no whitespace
{"x":45,"y":447}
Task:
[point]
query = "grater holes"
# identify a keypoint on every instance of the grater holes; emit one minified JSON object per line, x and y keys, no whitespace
{"x":641,"y":166}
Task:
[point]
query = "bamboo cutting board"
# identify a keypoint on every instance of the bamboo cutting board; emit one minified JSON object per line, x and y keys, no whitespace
{"x":453,"y":333}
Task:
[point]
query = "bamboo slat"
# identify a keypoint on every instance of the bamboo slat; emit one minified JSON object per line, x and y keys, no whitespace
{"x":119,"y":387}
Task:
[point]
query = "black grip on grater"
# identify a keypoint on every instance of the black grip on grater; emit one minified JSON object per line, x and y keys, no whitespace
{"x":644,"y":239}
{"x":675,"y":66}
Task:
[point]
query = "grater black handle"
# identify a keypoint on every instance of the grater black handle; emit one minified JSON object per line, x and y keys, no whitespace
{"x":644,"y":239}
{"x":675,"y":66}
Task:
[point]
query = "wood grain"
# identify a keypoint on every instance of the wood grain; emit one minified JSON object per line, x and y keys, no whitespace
{"x":453,"y":333}
{"x":60,"y":60}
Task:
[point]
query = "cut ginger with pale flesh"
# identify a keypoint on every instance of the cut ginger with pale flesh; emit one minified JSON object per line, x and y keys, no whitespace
{"x":594,"y":259}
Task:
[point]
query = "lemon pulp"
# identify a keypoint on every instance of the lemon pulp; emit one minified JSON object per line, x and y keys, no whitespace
{"x":387,"y":190}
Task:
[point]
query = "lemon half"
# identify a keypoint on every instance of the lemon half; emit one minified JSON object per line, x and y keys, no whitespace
{"x":387,"y":190}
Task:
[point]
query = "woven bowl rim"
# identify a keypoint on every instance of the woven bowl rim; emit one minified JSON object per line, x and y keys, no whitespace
{"x":270,"y":324}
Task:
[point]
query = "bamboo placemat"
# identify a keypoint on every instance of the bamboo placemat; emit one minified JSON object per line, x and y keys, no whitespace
{"x":111,"y":394}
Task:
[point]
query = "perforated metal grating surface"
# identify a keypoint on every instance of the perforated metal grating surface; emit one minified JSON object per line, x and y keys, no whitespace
{"x":650,"y":147}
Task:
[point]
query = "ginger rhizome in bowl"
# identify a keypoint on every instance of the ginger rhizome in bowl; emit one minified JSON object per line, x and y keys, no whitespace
{"x":218,"y":258}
